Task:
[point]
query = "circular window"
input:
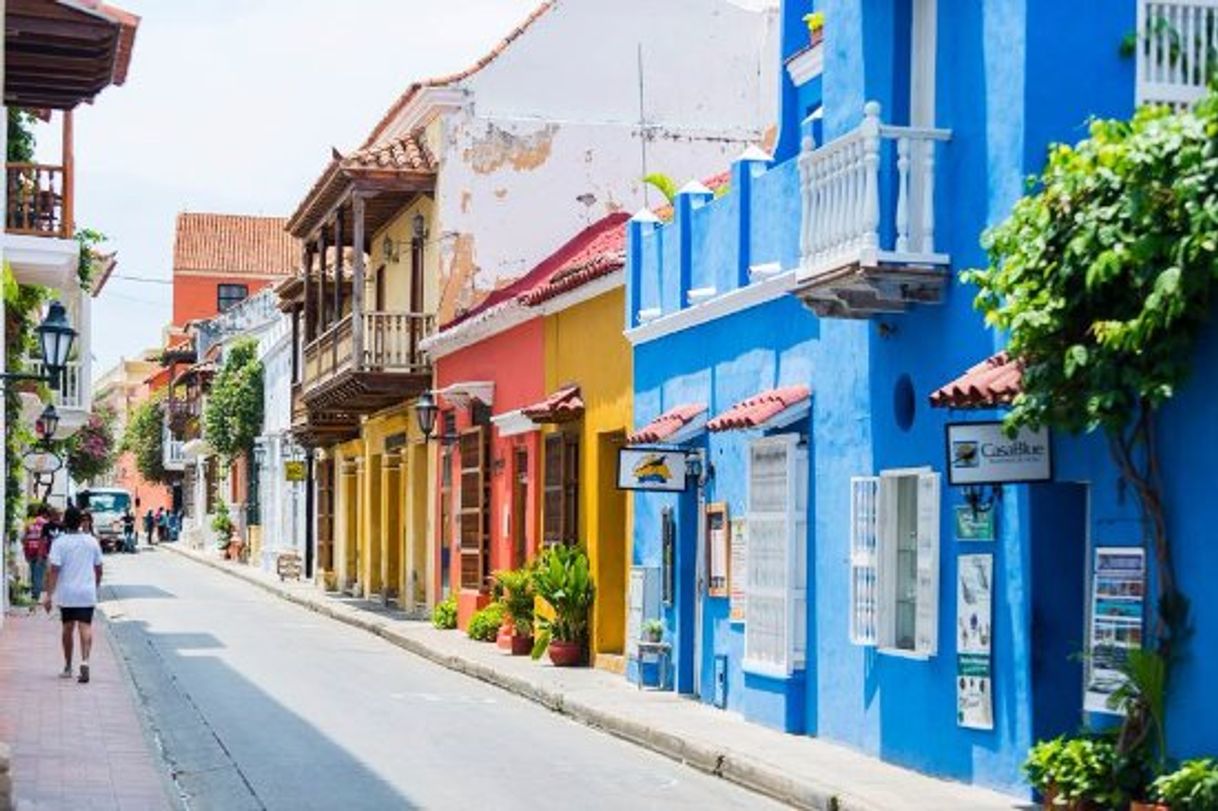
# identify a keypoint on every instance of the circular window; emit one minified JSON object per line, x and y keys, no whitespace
{"x":903,"y":405}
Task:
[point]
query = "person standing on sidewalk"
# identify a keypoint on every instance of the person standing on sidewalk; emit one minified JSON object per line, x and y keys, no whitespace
{"x":149,"y":521}
{"x":75,"y":574}
{"x":36,"y":547}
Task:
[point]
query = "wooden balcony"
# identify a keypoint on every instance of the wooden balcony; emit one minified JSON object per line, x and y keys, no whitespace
{"x":367,"y":362}
{"x":867,"y":236}
{"x":180,"y":413}
{"x":317,"y":427}
{"x":39,"y":200}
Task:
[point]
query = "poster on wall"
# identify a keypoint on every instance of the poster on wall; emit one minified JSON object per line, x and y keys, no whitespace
{"x":982,"y":453}
{"x":717,"y":538}
{"x":974,"y":633}
{"x":737,"y":574}
{"x":974,"y":524}
{"x":1118,"y":593}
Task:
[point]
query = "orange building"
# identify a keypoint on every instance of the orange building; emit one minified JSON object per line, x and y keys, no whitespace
{"x":123,"y":388}
{"x":222,"y":259}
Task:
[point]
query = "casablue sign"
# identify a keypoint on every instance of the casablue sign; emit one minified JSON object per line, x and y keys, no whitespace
{"x":981,"y":453}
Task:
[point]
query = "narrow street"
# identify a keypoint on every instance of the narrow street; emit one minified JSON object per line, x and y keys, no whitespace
{"x":261,"y":704}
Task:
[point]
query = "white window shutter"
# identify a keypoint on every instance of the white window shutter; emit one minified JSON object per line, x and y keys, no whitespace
{"x":864,"y":530}
{"x":886,"y":561}
{"x":926,"y":638}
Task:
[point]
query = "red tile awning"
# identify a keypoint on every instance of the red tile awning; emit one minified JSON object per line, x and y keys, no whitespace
{"x":993,"y":382}
{"x":667,"y":424}
{"x":760,"y":409}
{"x":564,"y":405}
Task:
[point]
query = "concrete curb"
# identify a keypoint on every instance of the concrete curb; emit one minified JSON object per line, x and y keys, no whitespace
{"x":725,"y":763}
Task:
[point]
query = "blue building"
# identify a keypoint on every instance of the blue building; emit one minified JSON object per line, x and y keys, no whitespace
{"x":829,"y":574}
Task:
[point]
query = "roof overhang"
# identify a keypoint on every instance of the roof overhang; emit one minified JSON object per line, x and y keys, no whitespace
{"x":59,"y":53}
{"x":768,"y":411}
{"x":513,"y":423}
{"x":461,"y":395}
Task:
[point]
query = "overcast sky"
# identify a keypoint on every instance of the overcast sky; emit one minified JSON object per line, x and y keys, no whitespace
{"x":232,"y":106}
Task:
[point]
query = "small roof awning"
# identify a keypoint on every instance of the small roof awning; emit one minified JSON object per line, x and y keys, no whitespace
{"x":674,"y":425}
{"x":461,"y":394}
{"x":513,"y":423}
{"x":770,"y":409}
{"x":564,"y":405}
{"x":993,"y":382}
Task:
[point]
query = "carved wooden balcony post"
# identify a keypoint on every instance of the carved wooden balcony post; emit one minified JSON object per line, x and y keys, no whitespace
{"x":357,"y":282}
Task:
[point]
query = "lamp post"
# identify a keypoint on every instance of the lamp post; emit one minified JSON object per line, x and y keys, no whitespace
{"x":425,"y":411}
{"x":55,"y":338}
{"x":47,"y":423}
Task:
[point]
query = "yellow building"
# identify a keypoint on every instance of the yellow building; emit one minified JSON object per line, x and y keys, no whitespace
{"x":587,"y":356}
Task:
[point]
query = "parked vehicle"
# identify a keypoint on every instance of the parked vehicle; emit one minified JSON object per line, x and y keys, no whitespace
{"x":108,"y":505}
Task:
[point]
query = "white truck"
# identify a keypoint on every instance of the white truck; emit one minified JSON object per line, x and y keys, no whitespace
{"x":108,"y":505}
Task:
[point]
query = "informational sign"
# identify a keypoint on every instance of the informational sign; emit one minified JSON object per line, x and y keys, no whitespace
{"x":717,"y":540}
{"x":1118,"y":595}
{"x":974,"y":635}
{"x":294,"y":471}
{"x":974,"y":524}
{"x":651,"y":469}
{"x":41,"y":462}
{"x":981,"y":453}
{"x":738,"y":572}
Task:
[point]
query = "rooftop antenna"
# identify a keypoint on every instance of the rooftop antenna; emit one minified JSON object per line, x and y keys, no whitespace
{"x":644,"y":130}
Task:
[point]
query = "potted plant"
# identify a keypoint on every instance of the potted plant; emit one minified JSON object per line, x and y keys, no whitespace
{"x":222,"y":525}
{"x":816,"y":27}
{"x":484,"y":624}
{"x":653,"y":630}
{"x":1192,"y":787}
{"x":444,"y":615}
{"x":518,"y":600}
{"x":562,"y":578}
{"x":1078,"y":774}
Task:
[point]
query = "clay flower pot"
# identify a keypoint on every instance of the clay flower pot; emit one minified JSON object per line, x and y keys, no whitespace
{"x":1148,"y":805}
{"x":521,"y":645}
{"x":506,"y":632}
{"x":566,"y":654}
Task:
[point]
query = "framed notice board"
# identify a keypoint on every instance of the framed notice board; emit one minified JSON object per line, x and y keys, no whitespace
{"x":718,"y":549}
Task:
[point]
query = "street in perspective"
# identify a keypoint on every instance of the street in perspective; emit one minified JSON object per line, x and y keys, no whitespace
{"x":654,"y":404}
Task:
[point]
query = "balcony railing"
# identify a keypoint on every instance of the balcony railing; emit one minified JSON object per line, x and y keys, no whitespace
{"x":39,"y":200}
{"x":840,"y":182}
{"x":70,"y":394}
{"x":1177,"y":48}
{"x":390,"y":344}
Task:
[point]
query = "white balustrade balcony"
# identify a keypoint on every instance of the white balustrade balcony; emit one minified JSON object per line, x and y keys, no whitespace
{"x":1176,"y":50}
{"x":867,"y":236}
{"x":173,"y":454}
{"x":71,"y":399}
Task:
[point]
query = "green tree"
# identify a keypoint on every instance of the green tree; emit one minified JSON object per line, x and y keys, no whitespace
{"x":1102,"y":278}
{"x":144,"y":439}
{"x":21,"y":140}
{"x":232,"y":417}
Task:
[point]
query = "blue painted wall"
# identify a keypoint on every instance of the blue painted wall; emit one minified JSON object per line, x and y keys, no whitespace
{"x":1003,"y":90}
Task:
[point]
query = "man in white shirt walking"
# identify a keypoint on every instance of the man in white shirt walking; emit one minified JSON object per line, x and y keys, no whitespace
{"x":75,"y":573}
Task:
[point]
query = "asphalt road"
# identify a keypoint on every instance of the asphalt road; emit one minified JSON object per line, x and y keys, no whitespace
{"x":257,"y":703}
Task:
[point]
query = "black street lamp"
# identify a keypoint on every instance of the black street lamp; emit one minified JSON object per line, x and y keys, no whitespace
{"x":425,"y":411}
{"x":47,"y":423}
{"x":55,"y":337}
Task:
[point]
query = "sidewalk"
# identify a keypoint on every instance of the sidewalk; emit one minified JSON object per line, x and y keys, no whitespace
{"x":799,"y":770}
{"x":72,"y":746}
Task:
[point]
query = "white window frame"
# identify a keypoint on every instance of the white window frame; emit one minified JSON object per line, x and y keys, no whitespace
{"x":793,"y":590}
{"x":873,"y":556}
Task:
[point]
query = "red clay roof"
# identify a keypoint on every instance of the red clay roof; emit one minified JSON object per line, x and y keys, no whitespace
{"x":440,"y":81}
{"x":667,"y":424}
{"x":408,"y":153}
{"x":564,"y":405}
{"x":567,"y":268}
{"x":600,"y":254}
{"x":759,"y":409}
{"x":993,"y":382}
{"x":234,"y":244}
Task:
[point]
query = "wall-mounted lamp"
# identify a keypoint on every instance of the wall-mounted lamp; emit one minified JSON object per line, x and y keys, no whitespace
{"x":418,"y":226}
{"x":976,"y":497}
{"x":426,"y":411}
{"x":390,"y":251}
{"x":55,"y":337}
{"x":47,"y":423}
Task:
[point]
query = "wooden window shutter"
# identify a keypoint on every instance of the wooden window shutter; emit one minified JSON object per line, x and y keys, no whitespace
{"x":553,"y":511}
{"x":927,"y":615}
{"x":570,"y":492}
{"x":864,"y":498}
{"x":472,"y":513}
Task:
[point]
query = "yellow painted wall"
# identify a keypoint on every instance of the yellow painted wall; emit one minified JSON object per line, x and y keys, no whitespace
{"x":584,"y":345}
{"x":347,"y":458}
{"x":397,"y":280}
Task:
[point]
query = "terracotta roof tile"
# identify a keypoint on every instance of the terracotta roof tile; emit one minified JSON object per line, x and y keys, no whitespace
{"x":993,"y":382}
{"x":759,"y":409}
{"x":234,"y":244}
{"x":578,"y":255}
{"x":441,"y":81}
{"x":667,"y":424}
{"x":563,"y":405}
{"x":408,"y":153}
